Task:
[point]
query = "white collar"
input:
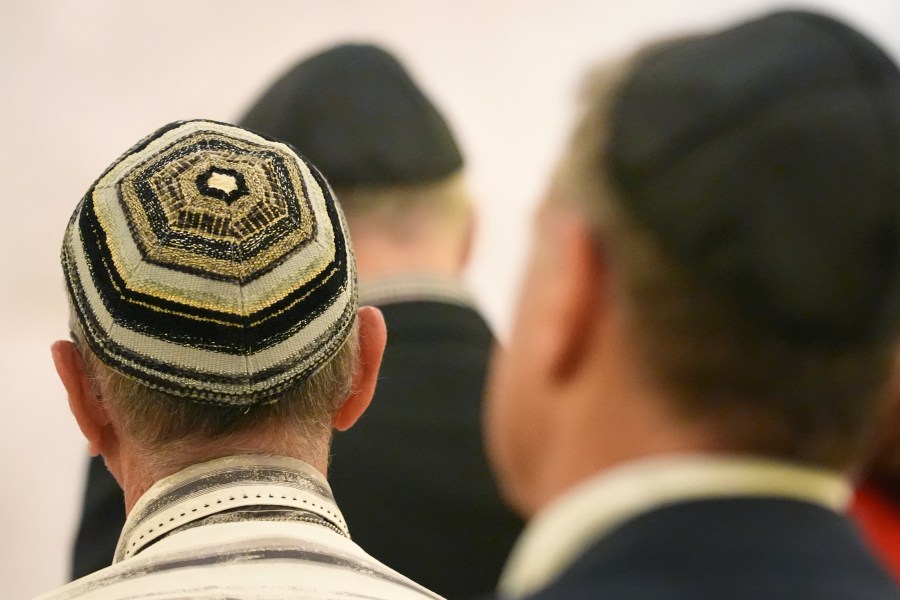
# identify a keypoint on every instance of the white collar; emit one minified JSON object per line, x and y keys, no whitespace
{"x":560,"y":532}
{"x":224,"y":484}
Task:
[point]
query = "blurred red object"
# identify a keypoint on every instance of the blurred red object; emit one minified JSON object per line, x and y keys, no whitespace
{"x":878,"y":515}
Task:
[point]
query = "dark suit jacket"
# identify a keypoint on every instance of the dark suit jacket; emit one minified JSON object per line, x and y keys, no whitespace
{"x":735,"y":549}
{"x":102,"y":518}
{"x":411,"y":476}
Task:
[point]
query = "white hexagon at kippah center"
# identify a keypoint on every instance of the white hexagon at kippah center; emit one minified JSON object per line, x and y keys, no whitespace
{"x":222,"y":181}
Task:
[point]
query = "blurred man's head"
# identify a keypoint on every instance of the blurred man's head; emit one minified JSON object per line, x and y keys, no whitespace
{"x":213,"y":305}
{"x":716,"y":265}
{"x":385,"y":149}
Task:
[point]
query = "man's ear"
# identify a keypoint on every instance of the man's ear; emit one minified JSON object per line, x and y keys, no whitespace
{"x":86,"y":407}
{"x":372,"y":339}
{"x":576,"y":279}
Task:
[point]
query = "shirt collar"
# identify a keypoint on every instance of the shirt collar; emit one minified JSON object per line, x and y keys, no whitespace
{"x":414,"y":287}
{"x":224,"y":484}
{"x":560,"y":532}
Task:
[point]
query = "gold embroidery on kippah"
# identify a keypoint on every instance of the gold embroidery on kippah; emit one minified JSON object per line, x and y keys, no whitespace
{"x":211,"y":263}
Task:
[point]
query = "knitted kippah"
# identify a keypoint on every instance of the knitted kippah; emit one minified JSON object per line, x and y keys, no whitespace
{"x":211,"y":263}
{"x":358,"y":115}
{"x":767,"y":158}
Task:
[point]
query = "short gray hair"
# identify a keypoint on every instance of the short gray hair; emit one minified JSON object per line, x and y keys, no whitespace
{"x":157,"y":421}
{"x":447,"y":197}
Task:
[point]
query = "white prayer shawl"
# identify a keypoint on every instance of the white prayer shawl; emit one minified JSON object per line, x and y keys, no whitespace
{"x":259,"y":527}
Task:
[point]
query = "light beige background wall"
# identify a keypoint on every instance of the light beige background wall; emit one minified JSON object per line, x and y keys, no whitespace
{"x":83,"y":80}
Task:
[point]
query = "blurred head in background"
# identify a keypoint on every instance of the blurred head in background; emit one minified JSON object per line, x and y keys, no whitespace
{"x":387,"y":152}
{"x":715,"y":267}
{"x":415,"y":471}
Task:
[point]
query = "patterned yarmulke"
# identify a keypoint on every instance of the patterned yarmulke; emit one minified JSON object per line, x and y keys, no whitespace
{"x":211,"y":263}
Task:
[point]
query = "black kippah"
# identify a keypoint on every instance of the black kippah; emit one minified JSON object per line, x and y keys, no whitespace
{"x":767,"y":158}
{"x":357,"y":114}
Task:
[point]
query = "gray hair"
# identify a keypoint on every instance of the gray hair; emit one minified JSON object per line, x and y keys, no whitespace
{"x":170,"y":429}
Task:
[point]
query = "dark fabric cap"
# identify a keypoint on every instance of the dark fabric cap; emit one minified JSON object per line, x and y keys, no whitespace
{"x":357,"y":114}
{"x":767,"y":157}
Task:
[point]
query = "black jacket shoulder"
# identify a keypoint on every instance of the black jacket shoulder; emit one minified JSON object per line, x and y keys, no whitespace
{"x":411,"y":477}
{"x":739,"y":549}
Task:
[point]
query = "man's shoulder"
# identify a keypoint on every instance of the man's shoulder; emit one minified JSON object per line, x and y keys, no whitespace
{"x":262,"y":566}
{"x":740,"y":548}
{"x":438,"y":347}
{"x":433,"y":316}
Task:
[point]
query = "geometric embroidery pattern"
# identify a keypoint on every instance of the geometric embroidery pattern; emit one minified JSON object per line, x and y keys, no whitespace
{"x":211,"y":263}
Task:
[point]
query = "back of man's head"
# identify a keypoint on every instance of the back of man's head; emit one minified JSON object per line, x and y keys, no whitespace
{"x":358,"y":115}
{"x":747,"y":186}
{"x":385,"y":148}
{"x":213,"y":294}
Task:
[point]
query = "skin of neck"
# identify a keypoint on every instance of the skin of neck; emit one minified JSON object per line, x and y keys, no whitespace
{"x":610,"y":418}
{"x":582,"y":390}
{"x":421,"y":243}
{"x":137,"y":469}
